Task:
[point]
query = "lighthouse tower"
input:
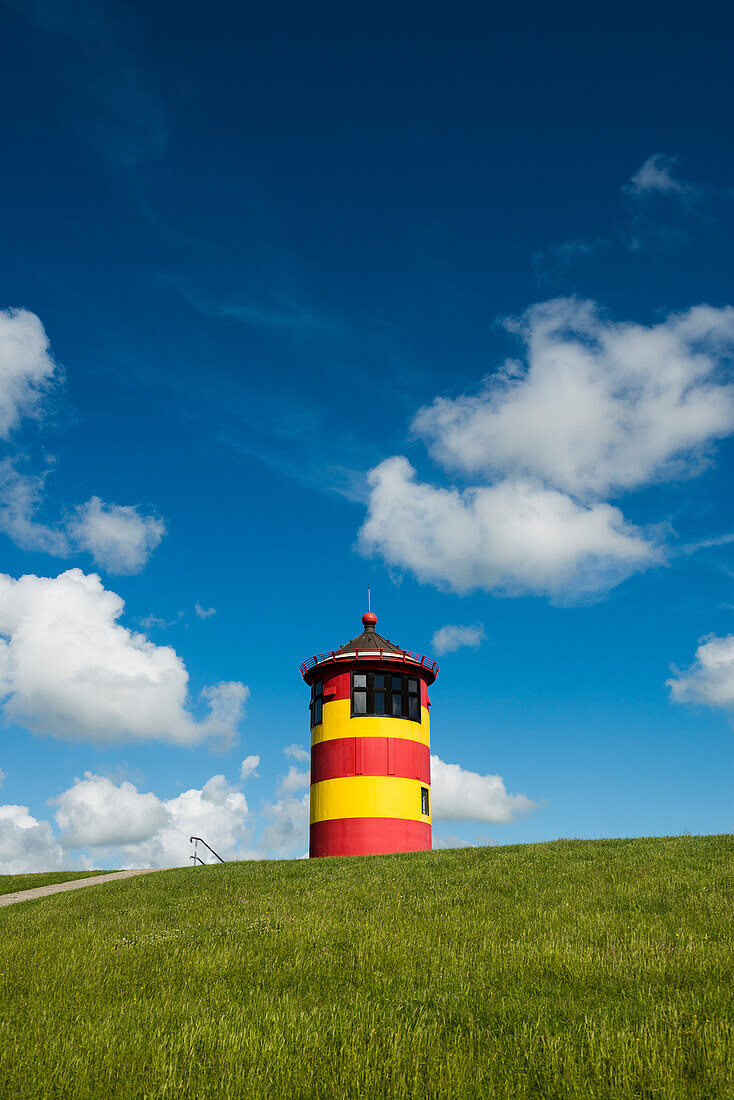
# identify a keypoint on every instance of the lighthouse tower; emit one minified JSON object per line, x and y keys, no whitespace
{"x":370,"y":754}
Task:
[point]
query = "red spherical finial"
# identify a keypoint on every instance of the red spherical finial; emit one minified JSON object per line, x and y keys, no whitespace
{"x":369,"y":620}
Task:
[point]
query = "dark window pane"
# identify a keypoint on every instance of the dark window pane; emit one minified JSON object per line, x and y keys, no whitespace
{"x":318,"y":687}
{"x":360,"y":680}
{"x":317,"y":713}
{"x":412,"y":685}
{"x":397,"y":706}
{"x":360,"y":702}
{"x":397,"y":683}
{"x":379,"y":682}
{"x":414,"y":710}
{"x":425,"y":807}
{"x":379,"y":702}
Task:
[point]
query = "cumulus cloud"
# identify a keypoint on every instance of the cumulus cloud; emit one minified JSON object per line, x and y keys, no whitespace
{"x":141,"y":830}
{"x":297,"y":752}
{"x":27,"y":370}
{"x":119,"y":537}
{"x":69,"y":669}
{"x":286,"y":829}
{"x":595,"y":406}
{"x":710,"y":679}
{"x":514,"y":537}
{"x":96,"y":812}
{"x":459,"y":795}
{"x":294,"y":781}
{"x":21,"y":497}
{"x":657,"y":176}
{"x":249,"y":767}
{"x":26,"y":844}
{"x":450,"y":638}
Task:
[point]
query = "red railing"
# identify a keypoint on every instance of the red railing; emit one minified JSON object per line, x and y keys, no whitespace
{"x":370,"y":655}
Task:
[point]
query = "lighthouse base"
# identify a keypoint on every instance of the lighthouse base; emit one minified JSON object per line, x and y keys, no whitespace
{"x":368,"y":836}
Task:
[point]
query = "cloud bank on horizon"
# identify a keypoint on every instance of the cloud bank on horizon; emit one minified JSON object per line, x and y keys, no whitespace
{"x":100,"y":822}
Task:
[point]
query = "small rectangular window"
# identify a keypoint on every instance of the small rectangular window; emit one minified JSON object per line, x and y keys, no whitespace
{"x":317,"y":694}
{"x":397,"y":683}
{"x":425,"y":805}
{"x":412,"y":685}
{"x":379,"y":681}
{"x":360,"y":702}
{"x":379,"y":702}
{"x":360,"y":679}
{"x":414,"y":710}
{"x":397,"y":705}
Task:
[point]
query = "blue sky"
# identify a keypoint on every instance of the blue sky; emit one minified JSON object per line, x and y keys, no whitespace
{"x":250,"y":256}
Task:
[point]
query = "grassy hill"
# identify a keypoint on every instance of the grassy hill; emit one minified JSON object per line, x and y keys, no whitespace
{"x":573,"y":969}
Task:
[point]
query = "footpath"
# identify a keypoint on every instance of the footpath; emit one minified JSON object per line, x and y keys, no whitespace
{"x":75,"y":884}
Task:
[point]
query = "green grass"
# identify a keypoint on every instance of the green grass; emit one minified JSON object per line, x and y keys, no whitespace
{"x":580,"y":969}
{"x":12,"y":884}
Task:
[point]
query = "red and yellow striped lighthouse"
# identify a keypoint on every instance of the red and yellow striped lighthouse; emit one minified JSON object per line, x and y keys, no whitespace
{"x":370,"y":749}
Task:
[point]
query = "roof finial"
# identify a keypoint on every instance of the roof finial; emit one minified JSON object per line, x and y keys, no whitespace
{"x":369,"y":619}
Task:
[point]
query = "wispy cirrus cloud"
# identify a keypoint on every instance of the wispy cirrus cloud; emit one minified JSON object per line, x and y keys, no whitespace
{"x":94,"y":48}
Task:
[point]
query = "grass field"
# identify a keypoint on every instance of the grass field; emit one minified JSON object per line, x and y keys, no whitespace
{"x":12,"y":884}
{"x":574,"y":969}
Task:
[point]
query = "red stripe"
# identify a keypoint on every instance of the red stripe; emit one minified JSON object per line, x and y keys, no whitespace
{"x":338,"y":683}
{"x":344,"y":756}
{"x":365,"y":836}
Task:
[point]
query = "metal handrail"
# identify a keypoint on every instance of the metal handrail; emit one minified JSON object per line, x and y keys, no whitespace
{"x":370,"y":654}
{"x":194,"y":840}
{"x":198,"y":860}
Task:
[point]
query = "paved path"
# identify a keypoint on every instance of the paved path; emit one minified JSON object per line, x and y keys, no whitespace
{"x":74,"y":884}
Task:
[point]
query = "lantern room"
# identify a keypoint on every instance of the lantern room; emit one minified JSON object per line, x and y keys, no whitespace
{"x":370,"y":747}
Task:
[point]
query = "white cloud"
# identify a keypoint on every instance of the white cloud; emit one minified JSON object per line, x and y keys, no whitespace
{"x":294,"y":781}
{"x":249,"y":767}
{"x":596,"y":406}
{"x":710,"y":679}
{"x":459,"y":795}
{"x":69,"y":669}
{"x":119,"y":537}
{"x":286,"y":832}
{"x":26,"y":844}
{"x":450,"y":638}
{"x":513,"y":537}
{"x":297,"y":752}
{"x":27,"y":370}
{"x":657,"y":175}
{"x":96,"y":812}
{"x":141,"y":830}
{"x":204,"y":612}
{"x":21,"y":497}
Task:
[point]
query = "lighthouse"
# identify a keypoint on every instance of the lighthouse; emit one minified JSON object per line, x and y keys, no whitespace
{"x":370,"y":747}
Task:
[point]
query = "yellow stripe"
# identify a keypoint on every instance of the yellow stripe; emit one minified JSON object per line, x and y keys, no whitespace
{"x":338,"y":722}
{"x":367,"y":796}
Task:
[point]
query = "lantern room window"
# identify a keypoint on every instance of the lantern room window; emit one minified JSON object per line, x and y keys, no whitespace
{"x":385,"y":693}
{"x":317,"y":703}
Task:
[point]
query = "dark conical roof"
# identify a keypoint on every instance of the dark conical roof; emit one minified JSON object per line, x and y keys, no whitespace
{"x":370,"y":645}
{"x":369,"y":639}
